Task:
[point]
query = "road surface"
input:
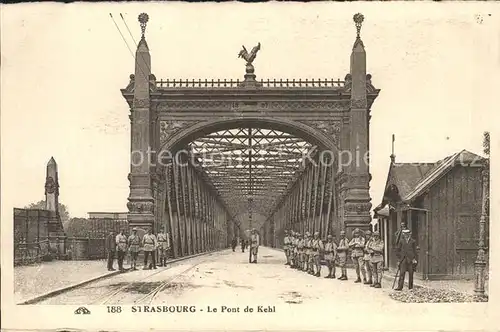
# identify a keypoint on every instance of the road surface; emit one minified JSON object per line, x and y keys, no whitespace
{"x":221,"y":285}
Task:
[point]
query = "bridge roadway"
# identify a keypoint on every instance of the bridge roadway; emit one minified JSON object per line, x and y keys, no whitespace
{"x":225,"y":280}
{"x":225,"y":274}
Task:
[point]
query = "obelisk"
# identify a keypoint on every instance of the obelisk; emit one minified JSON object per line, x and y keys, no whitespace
{"x":52,"y":187}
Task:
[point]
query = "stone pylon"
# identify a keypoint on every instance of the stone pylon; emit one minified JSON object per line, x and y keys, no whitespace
{"x":140,"y":201}
{"x":54,"y":225}
{"x":357,"y":200}
{"x":52,"y":187}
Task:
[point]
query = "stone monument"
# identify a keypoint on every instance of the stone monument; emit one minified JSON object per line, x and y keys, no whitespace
{"x":54,"y":225}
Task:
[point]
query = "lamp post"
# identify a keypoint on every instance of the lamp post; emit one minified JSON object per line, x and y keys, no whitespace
{"x":480,"y":263}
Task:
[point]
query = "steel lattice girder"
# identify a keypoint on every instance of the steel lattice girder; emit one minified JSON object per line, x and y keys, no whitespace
{"x":250,"y":168}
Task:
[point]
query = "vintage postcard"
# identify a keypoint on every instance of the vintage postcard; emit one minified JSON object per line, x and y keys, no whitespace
{"x":272,"y":166}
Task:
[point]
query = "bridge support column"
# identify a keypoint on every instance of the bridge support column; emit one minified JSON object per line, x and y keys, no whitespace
{"x":140,"y":201}
{"x":357,"y":196}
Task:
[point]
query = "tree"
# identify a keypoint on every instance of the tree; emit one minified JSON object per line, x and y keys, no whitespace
{"x":63,"y":210}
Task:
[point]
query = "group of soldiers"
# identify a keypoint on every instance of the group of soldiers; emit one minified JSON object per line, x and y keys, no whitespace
{"x":303,"y":252}
{"x":254,"y":246}
{"x":150,"y":244}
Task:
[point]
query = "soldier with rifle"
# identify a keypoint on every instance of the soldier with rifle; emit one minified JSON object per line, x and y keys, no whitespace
{"x":330,"y":256}
{"x":254,"y":246}
{"x":134,"y":244}
{"x":286,"y":247}
{"x":243,"y":245}
{"x":300,"y":252}
{"x":317,"y":247}
{"x":357,"y":245}
{"x":342,"y":250}
{"x":376,"y":249}
{"x":366,"y":257}
{"x":295,"y":243}
{"x":307,"y":252}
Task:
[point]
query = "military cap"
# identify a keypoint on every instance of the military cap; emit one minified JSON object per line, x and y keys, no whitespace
{"x":342,"y":232}
{"x":316,"y":233}
{"x":376,"y":233}
{"x":356,"y":231}
{"x":369,"y":232}
{"x":307,"y":234}
{"x":134,"y":229}
{"x":329,"y":236}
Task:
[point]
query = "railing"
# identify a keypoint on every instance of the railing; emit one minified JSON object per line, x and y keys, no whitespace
{"x":57,"y":247}
{"x":281,"y":83}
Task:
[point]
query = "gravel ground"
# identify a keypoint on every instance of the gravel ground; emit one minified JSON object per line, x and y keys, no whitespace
{"x":432,"y":295}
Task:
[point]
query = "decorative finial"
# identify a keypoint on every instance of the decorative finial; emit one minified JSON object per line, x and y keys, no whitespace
{"x":143,"y":20}
{"x":249,"y":58}
{"x":358,"y":20}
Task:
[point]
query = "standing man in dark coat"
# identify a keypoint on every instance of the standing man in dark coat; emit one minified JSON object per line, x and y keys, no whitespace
{"x":243,"y":244}
{"x":110,"y":249}
{"x":406,"y":250}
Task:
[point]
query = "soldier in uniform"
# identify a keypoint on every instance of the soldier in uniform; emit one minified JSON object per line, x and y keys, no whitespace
{"x":407,"y":258}
{"x":330,"y":256}
{"x":110,"y":249}
{"x":254,"y":246}
{"x":286,"y":247}
{"x":307,"y":252}
{"x":134,"y":244}
{"x":300,"y":251}
{"x":149,"y":244}
{"x":295,"y":254}
{"x":310,"y":267}
{"x":342,"y":250}
{"x":121,"y":248}
{"x":234,"y":243}
{"x":316,"y":248}
{"x":376,"y":247}
{"x":366,"y":258}
{"x":163,"y":245}
{"x":290,"y":246}
{"x":357,"y":245}
{"x":243,"y":245}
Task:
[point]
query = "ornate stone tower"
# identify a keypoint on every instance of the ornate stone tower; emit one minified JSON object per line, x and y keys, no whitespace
{"x":140,"y":205}
{"x":356,"y":182}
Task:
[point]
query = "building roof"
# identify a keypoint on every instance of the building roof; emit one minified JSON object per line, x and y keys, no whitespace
{"x":407,"y":175}
{"x":410,"y":180}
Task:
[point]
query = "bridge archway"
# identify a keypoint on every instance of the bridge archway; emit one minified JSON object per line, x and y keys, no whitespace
{"x":169,"y":115}
{"x":308,"y":133}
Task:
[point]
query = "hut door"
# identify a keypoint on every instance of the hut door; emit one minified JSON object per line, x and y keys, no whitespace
{"x":419,"y":229}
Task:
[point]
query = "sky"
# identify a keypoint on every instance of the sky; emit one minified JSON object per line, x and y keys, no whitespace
{"x":62,"y":68}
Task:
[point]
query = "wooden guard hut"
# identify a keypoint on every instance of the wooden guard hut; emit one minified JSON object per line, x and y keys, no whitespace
{"x":441,"y":204}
